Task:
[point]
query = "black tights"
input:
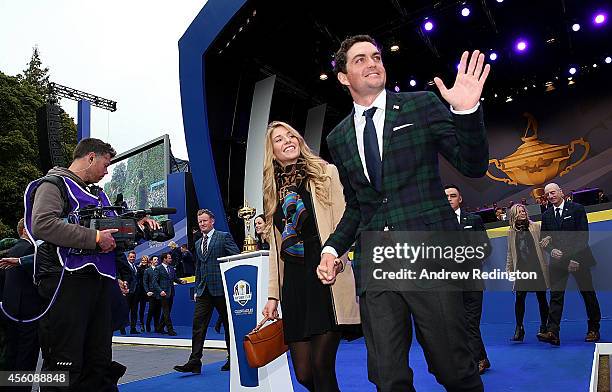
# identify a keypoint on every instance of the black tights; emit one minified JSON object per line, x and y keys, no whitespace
{"x":519,"y":306}
{"x":314,"y":362}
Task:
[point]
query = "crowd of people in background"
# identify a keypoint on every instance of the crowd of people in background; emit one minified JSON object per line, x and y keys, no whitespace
{"x":501,"y":211}
{"x":150,"y":283}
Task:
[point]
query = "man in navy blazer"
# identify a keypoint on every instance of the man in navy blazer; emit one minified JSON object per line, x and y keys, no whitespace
{"x":566,"y":224}
{"x":21,"y":301}
{"x":163,"y":286}
{"x":209,"y":293}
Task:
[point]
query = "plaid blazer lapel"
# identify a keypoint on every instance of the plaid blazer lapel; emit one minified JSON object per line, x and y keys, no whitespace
{"x":392,"y":111}
{"x":211,"y":246}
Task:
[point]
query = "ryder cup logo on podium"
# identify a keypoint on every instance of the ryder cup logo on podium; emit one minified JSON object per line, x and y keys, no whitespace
{"x":242,"y":292}
{"x":245,"y":281}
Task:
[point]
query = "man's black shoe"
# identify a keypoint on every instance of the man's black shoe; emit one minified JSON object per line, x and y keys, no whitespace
{"x":226,"y":367}
{"x":172,"y":333}
{"x":189,"y":368}
{"x":549,"y":337}
{"x":134,"y":331}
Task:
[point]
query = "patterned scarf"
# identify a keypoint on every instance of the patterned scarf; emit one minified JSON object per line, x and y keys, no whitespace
{"x":288,"y":181}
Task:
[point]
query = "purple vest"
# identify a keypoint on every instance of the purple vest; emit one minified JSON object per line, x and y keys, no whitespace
{"x":77,"y":198}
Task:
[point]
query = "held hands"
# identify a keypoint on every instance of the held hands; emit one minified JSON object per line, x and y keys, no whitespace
{"x":9,"y":262}
{"x":106,"y":242}
{"x":470,"y":80}
{"x":270,"y":311}
{"x":573,"y":266}
{"x":163,"y":293}
{"x":545,"y":242}
{"x":556,"y":254}
{"x":329,"y":267}
{"x":149,"y":293}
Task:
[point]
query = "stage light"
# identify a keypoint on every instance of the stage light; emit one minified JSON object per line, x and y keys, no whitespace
{"x":525,"y":88}
{"x":594,"y":65}
{"x":493,"y":56}
{"x":394,"y":48}
{"x":509,"y":99}
{"x":428,"y":25}
{"x":396,"y":88}
{"x":575,"y":27}
{"x":608,"y":60}
{"x":500,"y":1}
{"x":521,"y":45}
{"x":600,"y":18}
{"x":495,"y":95}
{"x":323,"y":76}
{"x":549,"y":86}
{"x":465,"y":11}
{"x":412,"y":82}
{"x":572,"y":70}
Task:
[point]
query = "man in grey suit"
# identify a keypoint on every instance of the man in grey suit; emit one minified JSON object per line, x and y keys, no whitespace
{"x":209,"y":287}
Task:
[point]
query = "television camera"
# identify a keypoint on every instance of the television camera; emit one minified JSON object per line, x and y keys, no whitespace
{"x":129,"y":232}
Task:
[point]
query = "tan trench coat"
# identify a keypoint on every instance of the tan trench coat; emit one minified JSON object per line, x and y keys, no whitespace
{"x":512,"y":259}
{"x":344,"y":297}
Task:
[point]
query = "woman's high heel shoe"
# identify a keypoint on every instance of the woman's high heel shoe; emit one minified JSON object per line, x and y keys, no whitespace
{"x":519,"y":334}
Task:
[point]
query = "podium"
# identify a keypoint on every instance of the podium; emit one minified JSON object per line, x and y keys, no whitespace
{"x":245,"y":281}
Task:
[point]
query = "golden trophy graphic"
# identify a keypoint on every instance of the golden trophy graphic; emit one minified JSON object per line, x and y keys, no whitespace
{"x":247,"y":213}
{"x":535,"y":162}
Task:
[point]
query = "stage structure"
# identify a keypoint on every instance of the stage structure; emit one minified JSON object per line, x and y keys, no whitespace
{"x":85,"y":101}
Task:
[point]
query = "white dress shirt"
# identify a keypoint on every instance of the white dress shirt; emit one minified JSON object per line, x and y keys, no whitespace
{"x":380,"y":102}
{"x":458,"y":213}
{"x":210,"y":234}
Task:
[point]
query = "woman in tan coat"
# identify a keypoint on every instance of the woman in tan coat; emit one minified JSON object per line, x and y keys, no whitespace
{"x":303,"y":203}
{"x":525,"y":255}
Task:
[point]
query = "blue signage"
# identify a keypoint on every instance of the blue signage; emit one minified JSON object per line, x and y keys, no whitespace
{"x":242,"y":293}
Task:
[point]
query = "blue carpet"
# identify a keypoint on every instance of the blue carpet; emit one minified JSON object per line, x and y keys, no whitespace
{"x":182,"y":332}
{"x":530,"y":366}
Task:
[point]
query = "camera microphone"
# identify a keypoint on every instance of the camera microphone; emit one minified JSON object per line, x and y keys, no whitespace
{"x":160,"y":211}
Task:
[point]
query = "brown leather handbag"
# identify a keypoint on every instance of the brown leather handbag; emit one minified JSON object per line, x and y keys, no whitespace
{"x":263,"y":345}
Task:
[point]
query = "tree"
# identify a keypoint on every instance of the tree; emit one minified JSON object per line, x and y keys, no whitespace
{"x":20,"y":98}
{"x":35,"y":75}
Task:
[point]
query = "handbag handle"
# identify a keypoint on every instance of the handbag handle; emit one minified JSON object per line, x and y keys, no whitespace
{"x":262,"y":322}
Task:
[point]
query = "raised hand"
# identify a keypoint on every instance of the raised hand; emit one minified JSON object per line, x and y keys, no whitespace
{"x":470,"y":80}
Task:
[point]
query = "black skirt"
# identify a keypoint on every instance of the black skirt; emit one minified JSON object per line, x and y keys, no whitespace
{"x":306,"y":303}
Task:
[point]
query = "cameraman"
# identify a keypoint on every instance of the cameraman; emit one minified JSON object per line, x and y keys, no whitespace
{"x":76,"y":333}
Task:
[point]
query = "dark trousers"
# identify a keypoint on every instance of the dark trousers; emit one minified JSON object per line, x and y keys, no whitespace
{"x":558,"y":277}
{"x":133,"y":301}
{"x":22,"y":349}
{"x":153,"y":313}
{"x":440,"y":327}
{"x":201,"y":318}
{"x":166,"y":308}
{"x":76,"y":333}
{"x":472,"y":302}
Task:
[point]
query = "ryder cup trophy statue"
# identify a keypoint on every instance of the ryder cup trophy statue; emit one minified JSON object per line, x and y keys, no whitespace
{"x":247,"y":213}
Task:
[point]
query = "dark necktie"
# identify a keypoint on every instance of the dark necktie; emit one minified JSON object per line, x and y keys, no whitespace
{"x":204,"y":245}
{"x":371,"y":151}
{"x":558,"y":215}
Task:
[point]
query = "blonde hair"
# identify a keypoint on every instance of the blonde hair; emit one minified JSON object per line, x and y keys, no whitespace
{"x":315,"y":171}
{"x":144,"y":257}
{"x":513,"y":215}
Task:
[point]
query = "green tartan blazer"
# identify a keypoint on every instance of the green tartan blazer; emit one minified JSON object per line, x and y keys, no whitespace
{"x":412,"y":196}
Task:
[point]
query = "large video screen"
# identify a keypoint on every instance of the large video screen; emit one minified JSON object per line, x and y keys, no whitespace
{"x":139,"y":176}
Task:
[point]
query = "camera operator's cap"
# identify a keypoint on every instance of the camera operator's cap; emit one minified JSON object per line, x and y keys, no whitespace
{"x":172,"y":244}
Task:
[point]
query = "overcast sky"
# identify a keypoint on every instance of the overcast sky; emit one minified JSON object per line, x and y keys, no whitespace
{"x":125,"y":50}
